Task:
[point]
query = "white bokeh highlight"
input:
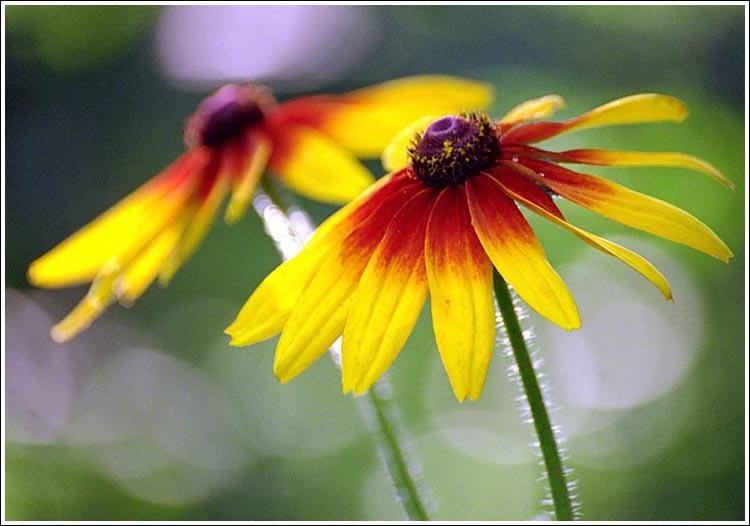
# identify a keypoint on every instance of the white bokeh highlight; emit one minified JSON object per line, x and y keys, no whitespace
{"x":609,"y":383}
{"x":287,"y":46}
{"x":159,"y":427}
{"x":633,"y":346}
{"x":38,"y":374}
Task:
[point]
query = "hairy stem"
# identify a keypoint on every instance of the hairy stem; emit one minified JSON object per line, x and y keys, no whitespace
{"x":383,"y":420}
{"x":547,"y":442}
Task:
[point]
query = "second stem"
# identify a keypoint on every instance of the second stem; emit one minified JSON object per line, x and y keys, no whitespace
{"x":547,"y":441}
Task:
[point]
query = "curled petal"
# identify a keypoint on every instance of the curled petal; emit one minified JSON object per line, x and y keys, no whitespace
{"x":249,"y":162}
{"x":517,"y":188}
{"x":145,"y":267}
{"x":627,"y":158}
{"x":389,"y":297}
{"x":645,"y":107}
{"x":534,"y":109}
{"x":313,"y":165}
{"x":99,"y":297}
{"x":396,"y":154}
{"x":214,"y":189}
{"x":629,"y":207}
{"x":515,"y":251}
{"x":459,"y":274}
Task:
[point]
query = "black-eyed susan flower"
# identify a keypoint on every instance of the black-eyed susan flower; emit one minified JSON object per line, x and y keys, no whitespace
{"x":439,"y":222}
{"x":310,"y":143}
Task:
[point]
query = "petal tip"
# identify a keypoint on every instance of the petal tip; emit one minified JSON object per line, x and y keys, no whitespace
{"x":31,"y":275}
{"x":235,"y":334}
{"x":572,"y":324}
{"x":282,"y":374}
{"x":726,"y":256}
{"x":234,"y":342}
{"x":461,"y":396}
{"x":60,"y":335}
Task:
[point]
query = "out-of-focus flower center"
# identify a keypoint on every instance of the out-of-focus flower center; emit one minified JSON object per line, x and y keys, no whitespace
{"x":453,"y":149}
{"x":226,"y":113}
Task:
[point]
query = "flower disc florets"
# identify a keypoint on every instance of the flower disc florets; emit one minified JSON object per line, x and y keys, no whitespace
{"x":226,"y":113}
{"x":454,"y":149}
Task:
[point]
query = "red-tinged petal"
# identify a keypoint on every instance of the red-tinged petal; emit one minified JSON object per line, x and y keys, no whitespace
{"x":99,"y":297}
{"x":515,"y":251}
{"x":629,"y":207}
{"x":267,"y":310}
{"x":141,"y":272}
{"x":459,"y":274}
{"x":534,"y":109}
{"x":627,"y":158}
{"x":617,"y":158}
{"x":313,"y":165}
{"x":249,"y":169}
{"x":364,"y":121}
{"x":645,"y":107}
{"x":215,"y":188}
{"x":319,"y":316}
{"x":123,"y":230}
{"x":389,"y":297}
{"x":367,"y":202}
{"x":517,"y":187}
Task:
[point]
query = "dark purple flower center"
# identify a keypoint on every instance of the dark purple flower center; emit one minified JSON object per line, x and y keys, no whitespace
{"x":453,"y":149}
{"x":226,"y":113}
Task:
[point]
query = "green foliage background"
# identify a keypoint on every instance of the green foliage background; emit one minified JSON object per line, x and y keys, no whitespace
{"x":209,"y":434}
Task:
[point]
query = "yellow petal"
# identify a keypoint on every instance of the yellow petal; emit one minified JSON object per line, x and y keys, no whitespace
{"x":99,"y":297}
{"x":313,"y":165}
{"x":360,"y":204}
{"x":144,"y":268}
{"x":316,"y":320}
{"x":516,"y":253}
{"x":631,"y":208}
{"x":268,"y":308}
{"x":635,"y":261}
{"x":198,"y":227}
{"x":245,"y":183}
{"x":645,"y":107}
{"x":459,"y":274}
{"x":396,"y":154}
{"x":534,"y":109}
{"x":389,"y":298}
{"x":319,"y":315}
{"x":364,"y":121}
{"x":628,"y":158}
{"x":123,"y":230}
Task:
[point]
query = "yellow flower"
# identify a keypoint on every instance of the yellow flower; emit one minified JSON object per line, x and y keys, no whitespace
{"x":310,"y":143}
{"x":439,"y":223}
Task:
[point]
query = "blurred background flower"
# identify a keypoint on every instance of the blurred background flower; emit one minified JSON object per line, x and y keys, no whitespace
{"x":150,"y":415}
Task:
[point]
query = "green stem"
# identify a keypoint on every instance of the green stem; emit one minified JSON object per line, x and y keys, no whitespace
{"x":382,"y":418}
{"x":380,"y":413}
{"x":550,"y":451}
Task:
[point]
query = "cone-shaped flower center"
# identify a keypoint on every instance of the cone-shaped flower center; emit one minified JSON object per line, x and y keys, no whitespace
{"x":226,"y":113}
{"x":453,"y":149}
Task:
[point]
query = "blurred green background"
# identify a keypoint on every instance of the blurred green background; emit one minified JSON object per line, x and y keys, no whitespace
{"x":150,"y":415}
